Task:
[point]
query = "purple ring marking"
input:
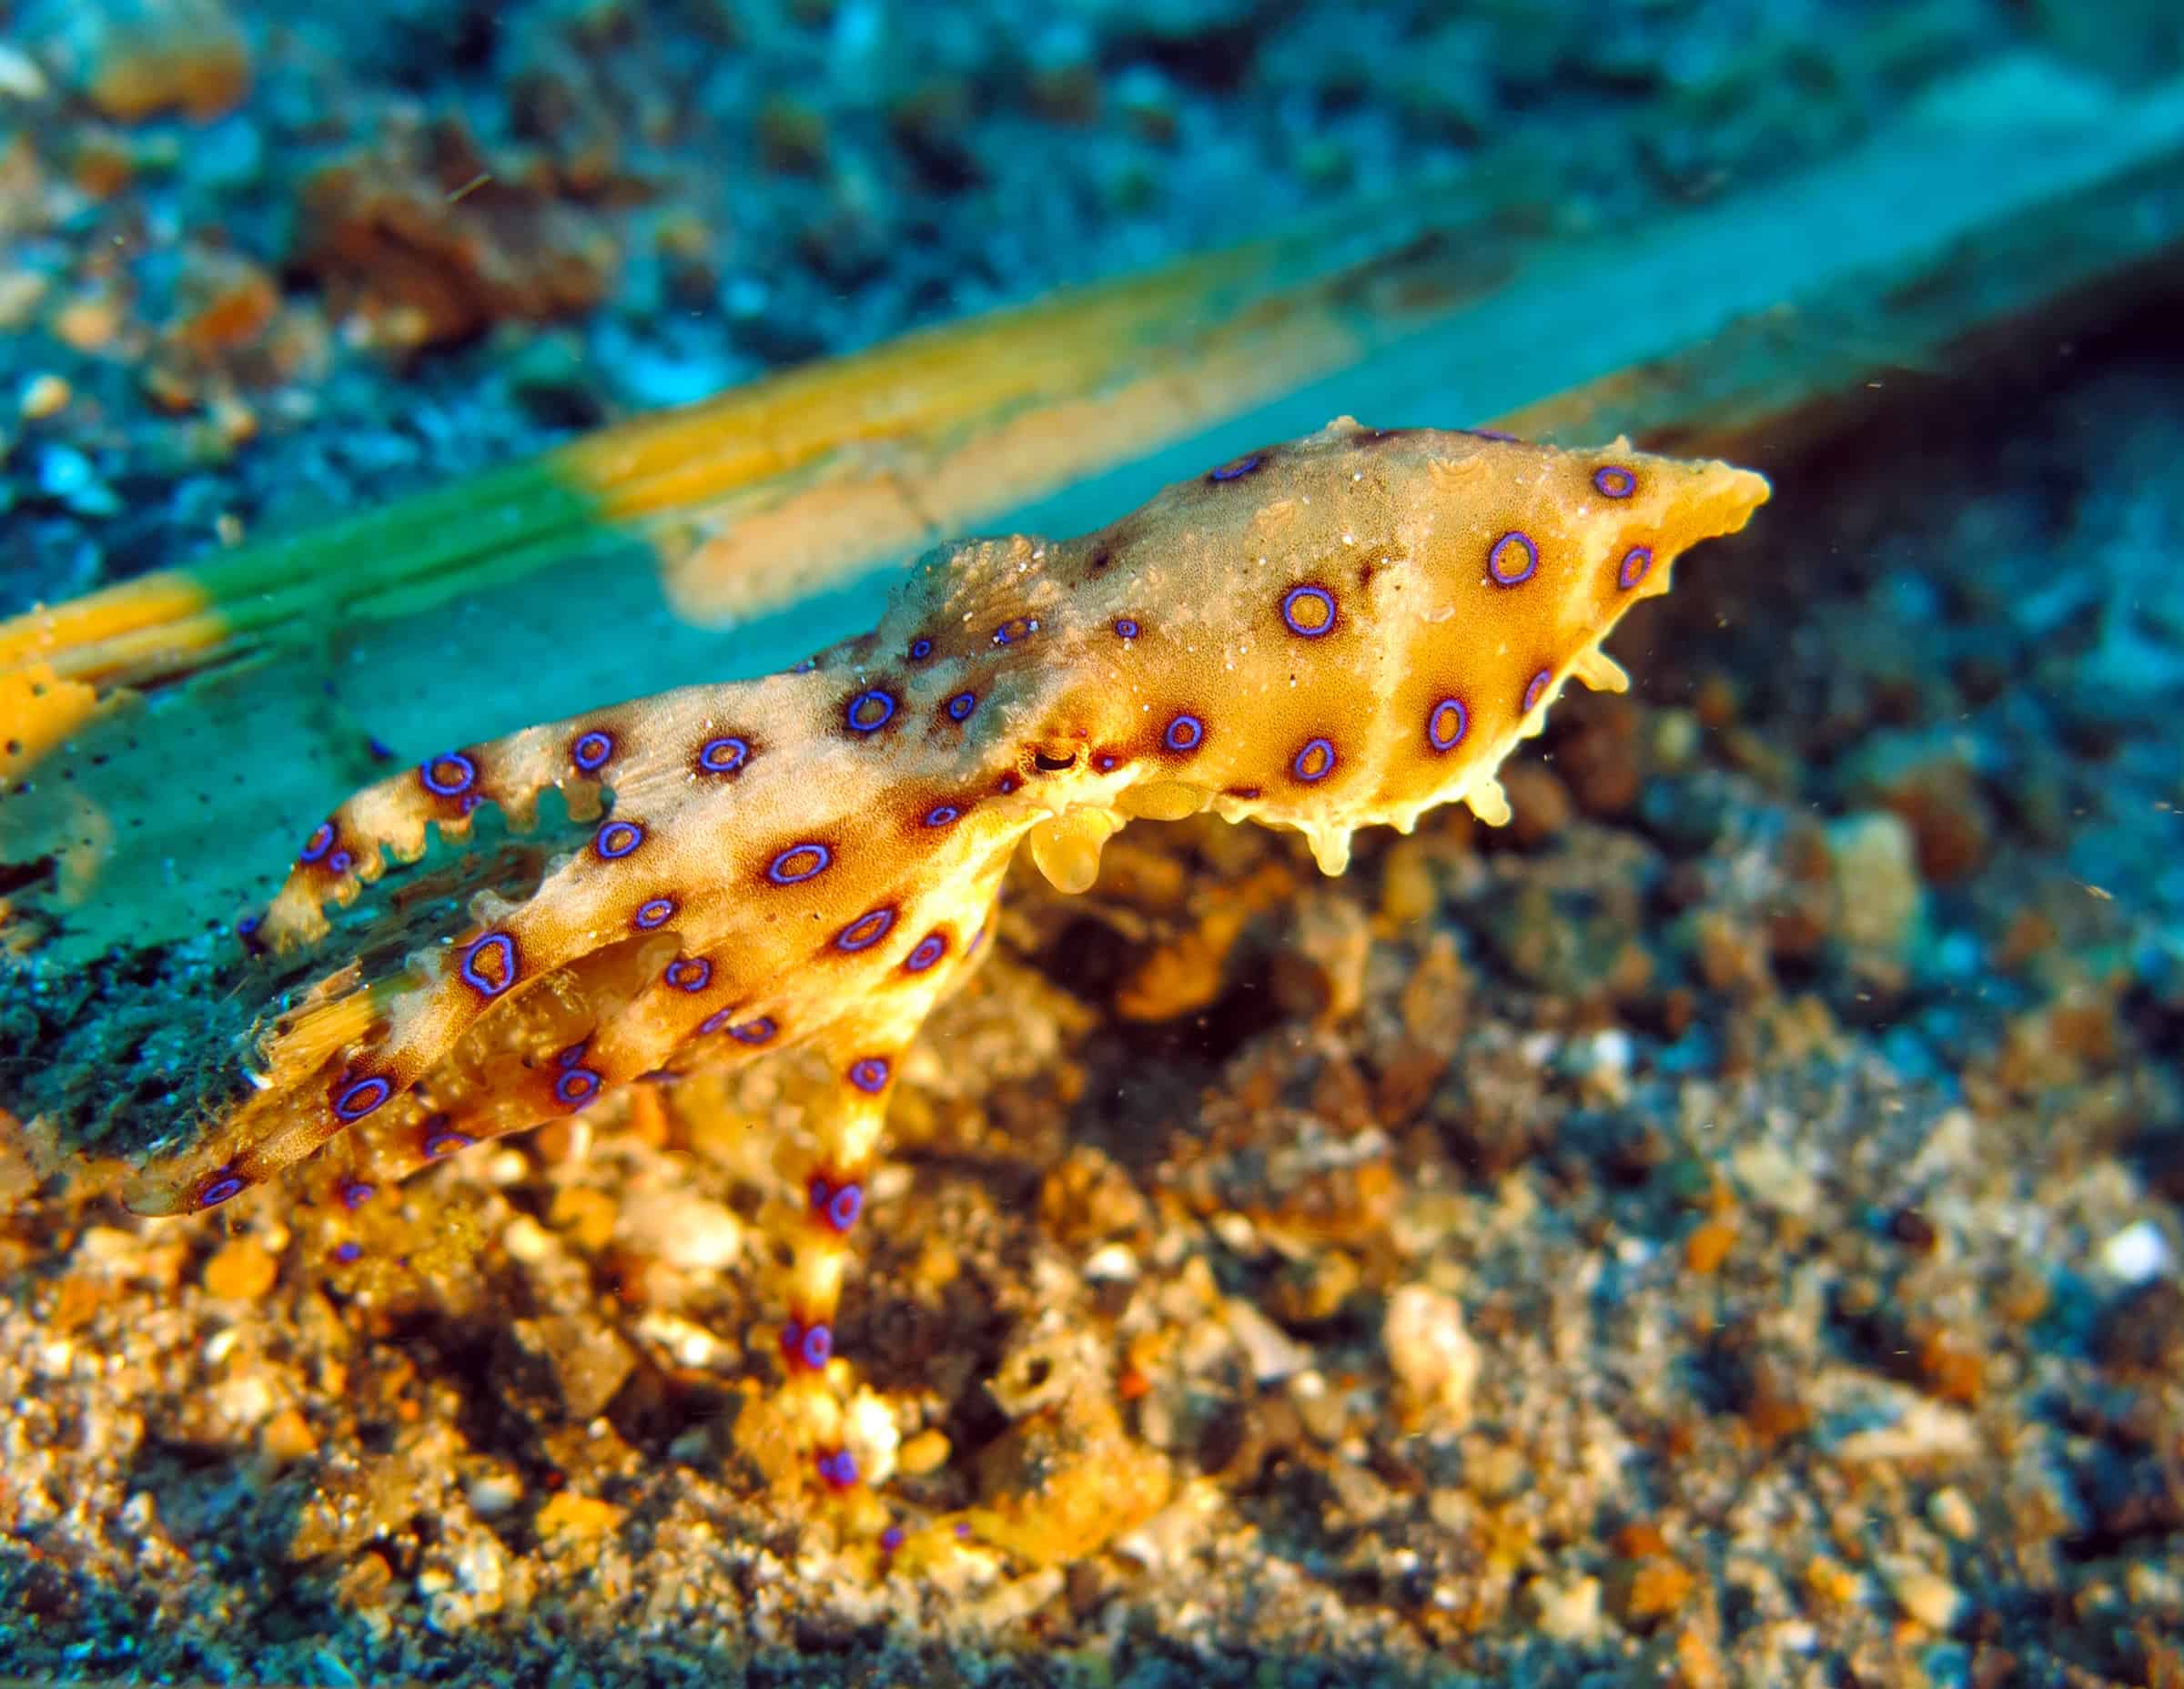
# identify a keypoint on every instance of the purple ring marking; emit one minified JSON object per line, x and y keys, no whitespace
{"x":809,"y":1347}
{"x":1186,"y":732}
{"x":930,"y":949}
{"x":1300,"y":620}
{"x":591,"y":751}
{"x":573,"y":1054}
{"x":941,"y":814}
{"x":355,"y":1192}
{"x":1015,"y":628}
{"x":839,"y":1470}
{"x":446,"y":1143}
{"x":1446,"y":724}
{"x":866,"y":930}
{"x":654,"y":912}
{"x":223,"y":1186}
{"x":843,"y":1206}
{"x":1008,"y":783}
{"x":961,"y":706}
{"x":503,"y":945}
{"x":448,"y":775}
{"x":1636,"y":563}
{"x":1107,"y":762}
{"x":713,"y":1022}
{"x":870,"y":1074}
{"x":617,"y":839}
{"x":688,"y":973}
{"x":318,"y":843}
{"x":869,"y":711}
{"x":348,"y":1250}
{"x":340,"y":861}
{"x":800,"y":863}
{"x":1513,"y":561}
{"x":1533,"y":688}
{"x":759,"y":1031}
{"x":1238,"y":468}
{"x":724,"y":756}
{"x":360,"y":1097}
{"x":576,"y":1088}
{"x":1126,"y":627}
{"x":892,"y":1539}
{"x":920,"y":649}
{"x":1611,"y":481}
{"x":1315,"y":761}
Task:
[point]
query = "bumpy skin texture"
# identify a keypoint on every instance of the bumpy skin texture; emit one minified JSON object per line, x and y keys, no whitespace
{"x":1345,"y":630}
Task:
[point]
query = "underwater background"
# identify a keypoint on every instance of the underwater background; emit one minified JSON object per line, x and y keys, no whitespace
{"x":1721,"y":1227}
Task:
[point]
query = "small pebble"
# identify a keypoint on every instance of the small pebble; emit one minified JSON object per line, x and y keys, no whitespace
{"x":1434,"y":1358}
{"x":1925,"y":1597}
{"x":240,"y":1270}
{"x":44,"y":395}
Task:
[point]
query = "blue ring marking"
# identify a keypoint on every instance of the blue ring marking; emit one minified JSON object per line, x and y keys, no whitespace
{"x":1533,"y":688}
{"x":781,"y":874}
{"x":471,"y":800}
{"x":348,"y":1250}
{"x":654,"y":912}
{"x":617,"y":839}
{"x":870,"y":1074}
{"x":446,"y":1143}
{"x":1237,"y":468}
{"x":723,"y":755}
{"x":1611,"y":481}
{"x":355,"y":1192}
{"x":930,"y":949}
{"x":1015,"y":628}
{"x":866,"y":930}
{"x":688,"y":973}
{"x":815,"y":1344}
{"x":941,"y":814}
{"x":1446,"y":724}
{"x":318,"y":843}
{"x":879,"y":697}
{"x":920,"y":649}
{"x":575,"y":1087}
{"x":713,"y":1022}
{"x":1636,"y":563}
{"x":464,"y":776}
{"x":759,"y":1031}
{"x":504,"y":945}
{"x":1107,"y":762}
{"x":1499,"y":572}
{"x":360,"y":1097}
{"x":839,"y":1470}
{"x":223,"y":1186}
{"x":1008,"y":783}
{"x":1126,"y":627}
{"x":961,"y":706}
{"x":340,"y":861}
{"x":1326,"y":765}
{"x":837,"y":1205}
{"x":1186,"y":732}
{"x":591,"y":750}
{"x":573,"y":1054}
{"x":1316,"y":594}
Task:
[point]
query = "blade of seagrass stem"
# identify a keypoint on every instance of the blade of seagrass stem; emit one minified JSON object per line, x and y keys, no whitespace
{"x":592,"y":573}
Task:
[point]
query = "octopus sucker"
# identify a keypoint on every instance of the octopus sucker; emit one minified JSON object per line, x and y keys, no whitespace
{"x":1345,"y":632}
